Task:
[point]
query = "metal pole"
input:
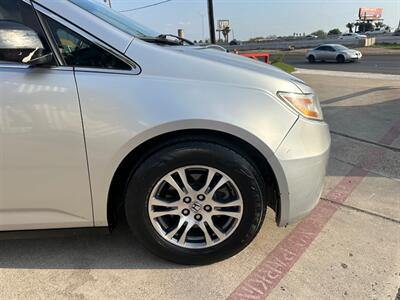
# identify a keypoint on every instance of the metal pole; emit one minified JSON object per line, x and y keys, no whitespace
{"x":108,"y":1}
{"x":211,"y":21}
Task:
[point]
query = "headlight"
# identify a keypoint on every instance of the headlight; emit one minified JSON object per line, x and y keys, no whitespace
{"x":306,"y":104}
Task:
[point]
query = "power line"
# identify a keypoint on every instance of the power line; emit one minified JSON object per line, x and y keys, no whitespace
{"x":146,"y":6}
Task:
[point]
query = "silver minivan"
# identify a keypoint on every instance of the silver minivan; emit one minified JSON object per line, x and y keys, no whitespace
{"x":102,"y":119}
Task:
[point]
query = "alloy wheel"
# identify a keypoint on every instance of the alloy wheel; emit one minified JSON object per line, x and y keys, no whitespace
{"x":195,"y":207}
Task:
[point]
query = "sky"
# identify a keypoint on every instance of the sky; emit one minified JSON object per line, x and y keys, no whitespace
{"x":252,"y":18}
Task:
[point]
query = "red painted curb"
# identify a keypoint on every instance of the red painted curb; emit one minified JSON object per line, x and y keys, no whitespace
{"x":265,"y":277}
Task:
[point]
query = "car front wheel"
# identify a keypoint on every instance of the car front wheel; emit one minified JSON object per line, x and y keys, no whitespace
{"x":340,"y":59}
{"x":195,"y":202}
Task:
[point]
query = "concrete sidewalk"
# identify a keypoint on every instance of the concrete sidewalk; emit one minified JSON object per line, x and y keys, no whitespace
{"x":347,"y":249}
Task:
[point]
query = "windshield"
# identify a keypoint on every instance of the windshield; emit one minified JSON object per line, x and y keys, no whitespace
{"x":115,"y":18}
{"x":340,"y":47}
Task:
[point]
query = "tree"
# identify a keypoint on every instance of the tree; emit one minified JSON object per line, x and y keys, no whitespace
{"x":357,"y":26}
{"x":350,"y":26}
{"x":226,"y":32}
{"x":365,"y":26}
{"x":335,"y":31}
{"x":319,"y":33}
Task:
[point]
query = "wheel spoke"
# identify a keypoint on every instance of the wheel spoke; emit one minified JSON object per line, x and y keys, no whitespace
{"x":175,"y":185}
{"x":171,"y":234}
{"x":220,"y":183}
{"x":182,"y":175}
{"x":157,"y":214}
{"x":210,"y":177}
{"x":229,"y":204}
{"x":207,"y":236}
{"x":218,"y":232}
{"x":232,"y":214}
{"x":157,"y":202}
{"x":182,"y":238}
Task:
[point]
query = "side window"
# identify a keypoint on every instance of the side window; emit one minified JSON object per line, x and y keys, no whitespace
{"x":21,"y":36}
{"x":331,"y":49}
{"x":77,"y":51}
{"x":323,"y":48}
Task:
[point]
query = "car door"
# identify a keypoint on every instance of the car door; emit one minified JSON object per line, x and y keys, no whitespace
{"x":318,"y":52}
{"x":323,"y":53}
{"x":330,"y":53}
{"x":44,"y":180}
{"x":101,"y":72}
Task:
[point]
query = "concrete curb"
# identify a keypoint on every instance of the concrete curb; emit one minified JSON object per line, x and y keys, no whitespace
{"x":347,"y":74}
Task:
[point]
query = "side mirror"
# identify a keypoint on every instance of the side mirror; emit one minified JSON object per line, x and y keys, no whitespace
{"x":21,"y":44}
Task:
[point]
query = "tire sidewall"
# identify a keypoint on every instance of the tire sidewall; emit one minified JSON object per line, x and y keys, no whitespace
{"x":161,"y":163}
{"x":340,"y":58}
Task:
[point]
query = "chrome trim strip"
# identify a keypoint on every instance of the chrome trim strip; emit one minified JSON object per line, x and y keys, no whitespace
{"x":22,"y":66}
{"x":7,"y":65}
{"x":99,"y":70}
{"x":136,"y":70}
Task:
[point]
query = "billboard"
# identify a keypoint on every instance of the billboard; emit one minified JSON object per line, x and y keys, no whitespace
{"x":222,"y":24}
{"x":370,"y":13}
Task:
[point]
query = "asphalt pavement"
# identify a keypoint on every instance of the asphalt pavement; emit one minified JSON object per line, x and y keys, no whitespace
{"x":384,"y":64}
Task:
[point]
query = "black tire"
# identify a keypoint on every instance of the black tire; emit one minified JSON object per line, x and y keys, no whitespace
{"x":181,"y":154}
{"x":311,"y":59}
{"x":340,"y":59}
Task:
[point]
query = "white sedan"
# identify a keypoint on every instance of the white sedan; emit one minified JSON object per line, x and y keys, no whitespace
{"x":333,"y":52}
{"x":352,"y":36}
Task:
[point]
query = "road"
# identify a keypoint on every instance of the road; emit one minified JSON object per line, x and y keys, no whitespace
{"x":385,"y":64}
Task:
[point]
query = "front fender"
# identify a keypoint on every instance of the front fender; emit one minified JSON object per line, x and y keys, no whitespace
{"x":121,"y":112}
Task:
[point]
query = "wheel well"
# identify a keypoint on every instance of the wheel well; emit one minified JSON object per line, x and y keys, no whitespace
{"x":115,"y":205}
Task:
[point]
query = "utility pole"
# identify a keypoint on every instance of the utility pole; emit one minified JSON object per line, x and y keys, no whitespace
{"x":211,"y":21}
{"x":108,"y":1}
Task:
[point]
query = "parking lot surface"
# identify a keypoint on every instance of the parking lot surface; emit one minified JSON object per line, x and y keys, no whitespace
{"x":348,"y":248}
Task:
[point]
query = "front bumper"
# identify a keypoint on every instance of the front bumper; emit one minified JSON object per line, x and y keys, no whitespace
{"x":303,"y":156}
{"x":357,"y":56}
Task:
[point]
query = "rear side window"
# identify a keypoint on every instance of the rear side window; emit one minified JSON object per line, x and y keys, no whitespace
{"x":78,"y":51}
{"x":21,"y":35}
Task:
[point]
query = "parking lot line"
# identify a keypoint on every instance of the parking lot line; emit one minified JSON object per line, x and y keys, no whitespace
{"x":263,"y":279}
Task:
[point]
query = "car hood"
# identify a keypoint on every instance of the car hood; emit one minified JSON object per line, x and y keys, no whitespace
{"x":239,"y":61}
{"x":210,"y":64}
